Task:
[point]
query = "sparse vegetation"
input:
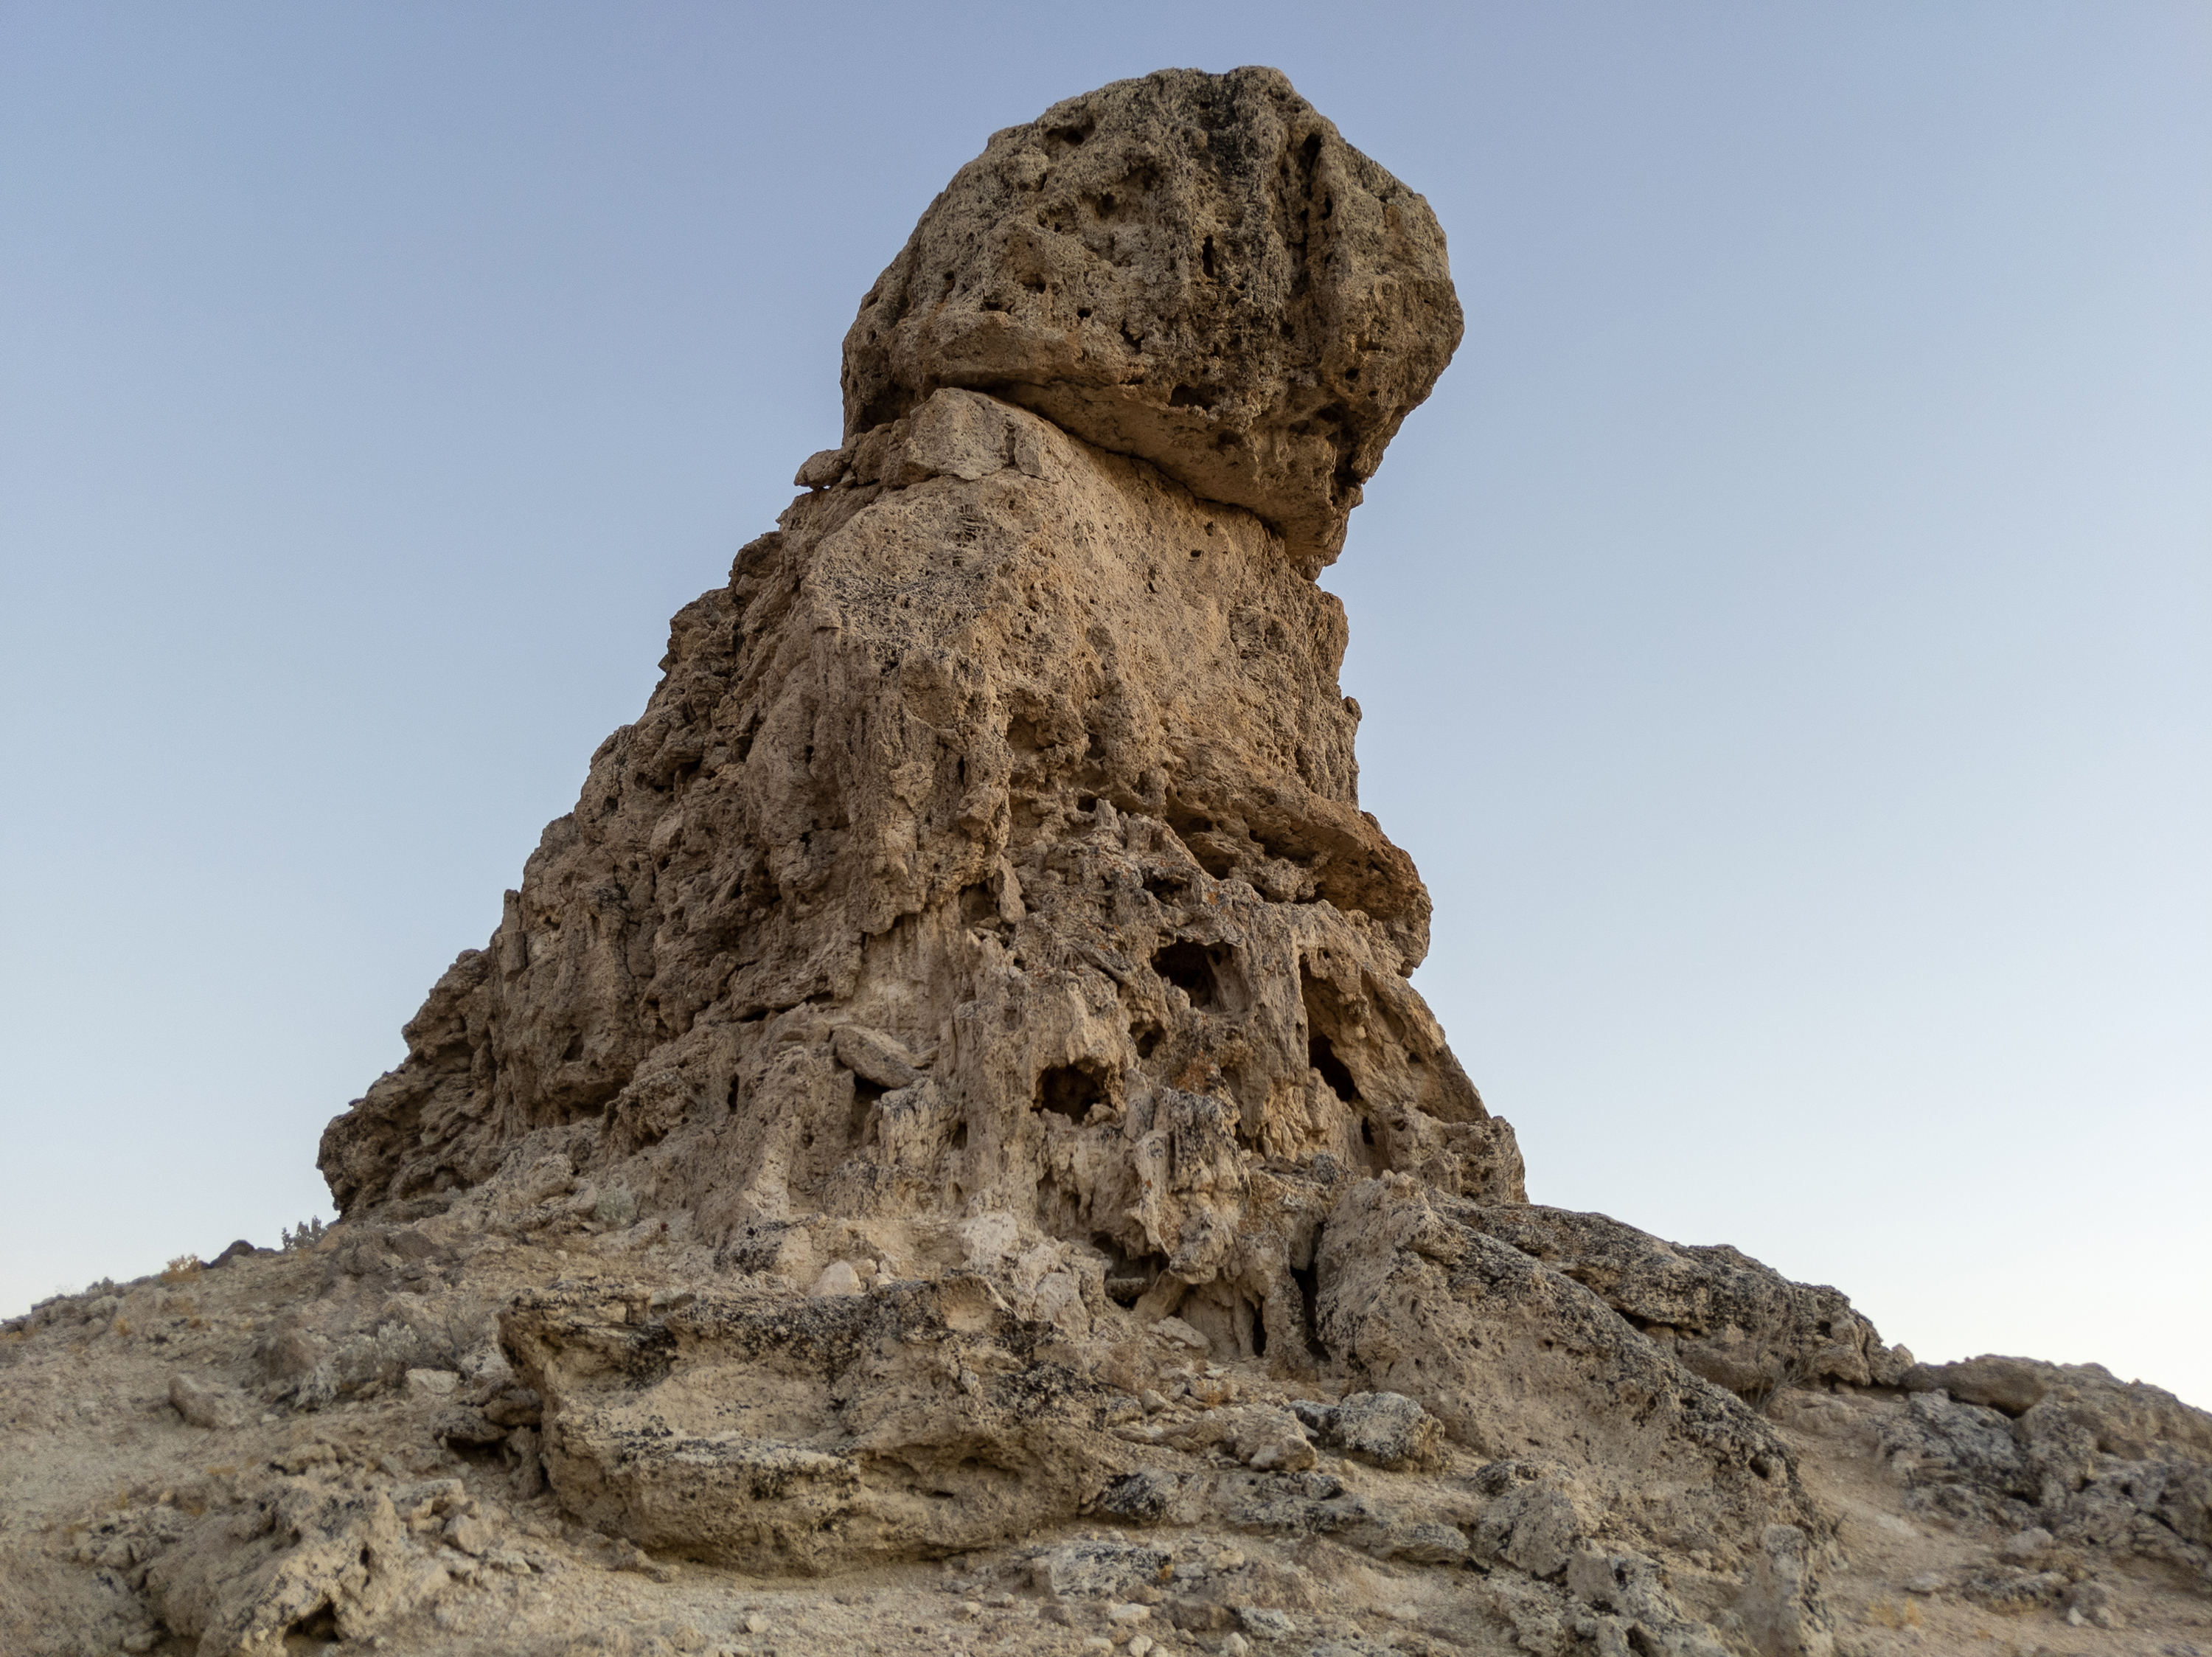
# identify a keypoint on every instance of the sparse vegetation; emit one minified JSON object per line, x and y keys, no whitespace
{"x":616,"y":1208}
{"x":1794,"y":1373}
{"x":309,"y":1234}
{"x":438,"y":1338}
{"x":182,"y":1270}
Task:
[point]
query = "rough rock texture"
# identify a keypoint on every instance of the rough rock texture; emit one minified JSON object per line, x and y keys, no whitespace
{"x":1198,"y":1506}
{"x":991,"y":844}
{"x":778,"y":1435}
{"x":947,"y":1111}
{"x":2066,"y":1451}
{"x":1520,"y":1360}
{"x":1192,"y":269}
{"x":1721,"y":1313}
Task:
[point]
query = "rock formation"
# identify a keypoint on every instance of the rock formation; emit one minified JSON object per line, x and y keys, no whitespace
{"x":992,"y":845}
{"x":950,"y":1092}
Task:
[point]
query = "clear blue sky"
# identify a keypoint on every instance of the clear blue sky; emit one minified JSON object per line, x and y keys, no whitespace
{"x":1783,"y":637}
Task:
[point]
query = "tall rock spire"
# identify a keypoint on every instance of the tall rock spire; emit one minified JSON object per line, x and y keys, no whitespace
{"x":993,"y":841}
{"x":972,"y":988}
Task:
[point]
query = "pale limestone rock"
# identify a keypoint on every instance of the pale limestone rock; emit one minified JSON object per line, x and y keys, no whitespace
{"x":207,"y":1403}
{"x":239,"y":1582}
{"x":1176,"y":1332}
{"x":2066,"y":1450}
{"x":1387,"y":1428}
{"x":1723,"y":1314}
{"x":976,"y":976}
{"x":838,"y":1277}
{"x":1515,"y":1358}
{"x":1194,"y":269}
{"x":788,"y":1435}
{"x":1099,"y":859}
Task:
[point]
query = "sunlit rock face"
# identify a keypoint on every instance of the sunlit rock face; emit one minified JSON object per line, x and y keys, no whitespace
{"x":992,"y":843}
{"x":976,"y":963}
{"x":1196,"y":270}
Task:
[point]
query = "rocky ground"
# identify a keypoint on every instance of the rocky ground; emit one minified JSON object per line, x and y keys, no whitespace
{"x":326,"y":1449}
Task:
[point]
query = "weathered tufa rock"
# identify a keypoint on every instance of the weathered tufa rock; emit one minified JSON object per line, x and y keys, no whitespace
{"x":1723,"y":1314}
{"x":240,"y":1580}
{"x":1388,"y":1429}
{"x":798,"y":1436}
{"x":992,"y":847}
{"x":1517,"y":1359}
{"x":1193,"y":269}
{"x":2057,"y":1450}
{"x":205,"y":1403}
{"x":976,"y":964}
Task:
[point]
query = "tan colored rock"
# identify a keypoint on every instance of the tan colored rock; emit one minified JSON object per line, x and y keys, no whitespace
{"x":1035,"y":788}
{"x":953,"y":1084}
{"x":128,"y":1528}
{"x":1521,"y":1363}
{"x":800,"y":1436}
{"x":238,"y":1581}
{"x":2067,"y":1451}
{"x":206,"y":1404}
{"x":1723,"y":1314}
{"x":1194,"y":269}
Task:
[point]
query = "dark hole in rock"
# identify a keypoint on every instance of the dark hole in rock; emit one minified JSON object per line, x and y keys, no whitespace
{"x":1187,"y":967}
{"x":1086,"y":803}
{"x":1217,"y":854}
{"x":1148,"y":1039}
{"x":1259,"y":1331}
{"x":959,"y":1136}
{"x":320,"y":1624}
{"x":574,"y":1050}
{"x":1070,"y":1090}
{"x":1308,"y":1278}
{"x":1320,"y":1053}
{"x":1366,"y":1133}
{"x":978,"y":905}
{"x":1160,"y":882}
{"x":1127,"y":1276}
{"x":865,"y":1095}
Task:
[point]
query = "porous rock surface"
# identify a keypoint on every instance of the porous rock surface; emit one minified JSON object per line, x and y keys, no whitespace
{"x":946,"y":1112}
{"x":632,"y":1452}
{"x":1193,"y":269}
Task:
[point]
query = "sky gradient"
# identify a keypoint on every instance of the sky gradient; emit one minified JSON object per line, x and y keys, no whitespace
{"x":1782,"y":637}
